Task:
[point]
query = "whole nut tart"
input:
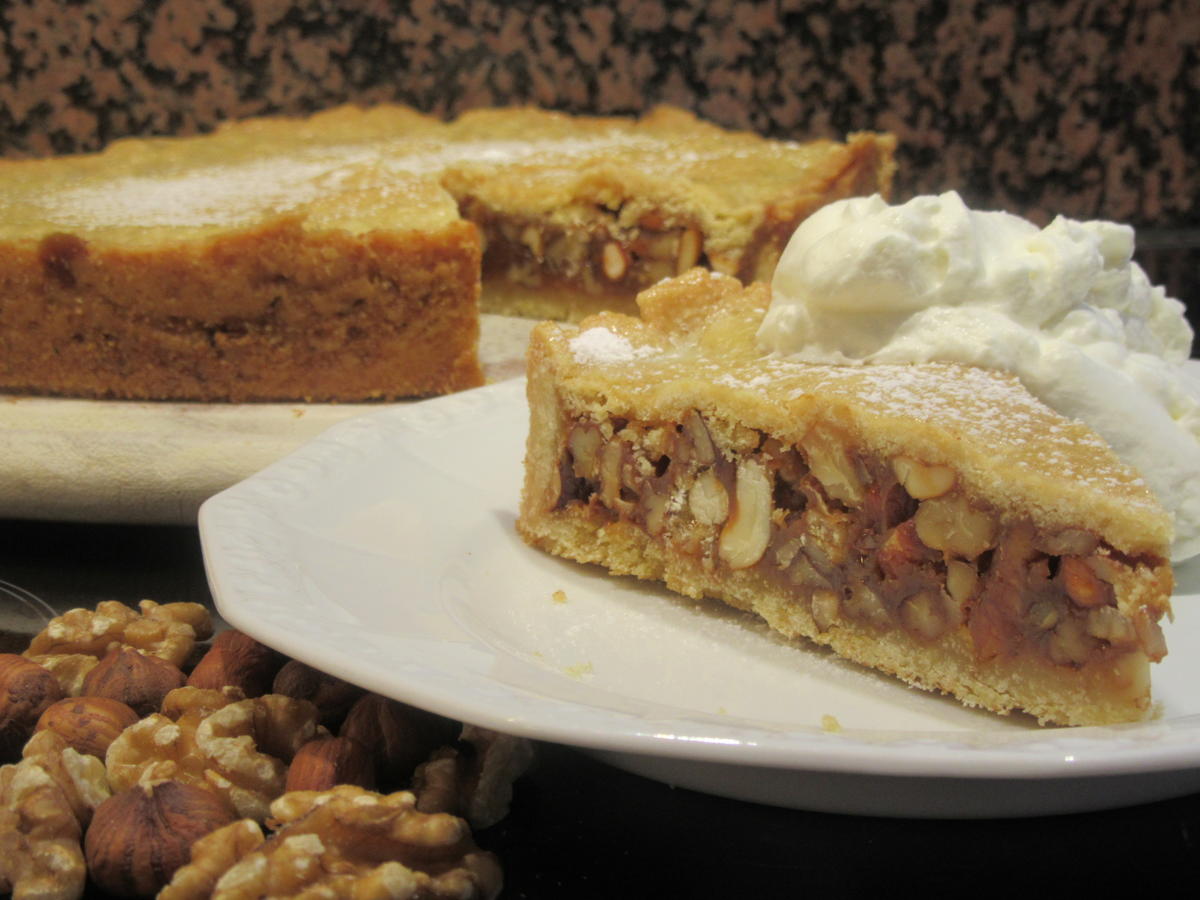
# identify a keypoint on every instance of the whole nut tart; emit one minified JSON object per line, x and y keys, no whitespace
{"x":342,"y":256}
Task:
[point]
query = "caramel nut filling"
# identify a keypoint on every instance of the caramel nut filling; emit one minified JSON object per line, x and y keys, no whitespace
{"x":877,"y":543}
{"x":591,"y":257}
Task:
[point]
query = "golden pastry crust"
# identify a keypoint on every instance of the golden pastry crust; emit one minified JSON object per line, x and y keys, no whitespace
{"x":914,"y":516}
{"x":340,"y":257}
{"x":289,"y":305}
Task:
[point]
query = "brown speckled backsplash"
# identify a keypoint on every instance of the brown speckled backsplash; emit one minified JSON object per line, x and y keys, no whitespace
{"x":1082,"y":107}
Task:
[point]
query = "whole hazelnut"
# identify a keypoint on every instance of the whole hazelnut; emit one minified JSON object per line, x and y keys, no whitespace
{"x":140,"y":836}
{"x":26,"y":690}
{"x":89,"y":724}
{"x":237,"y":660}
{"x":325,"y":762}
{"x":399,"y":736}
{"x":329,"y":694}
{"x":135,"y":679}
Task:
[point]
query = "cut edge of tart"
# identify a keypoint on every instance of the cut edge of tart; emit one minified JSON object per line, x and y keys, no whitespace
{"x":600,"y":208}
{"x":934,"y":522}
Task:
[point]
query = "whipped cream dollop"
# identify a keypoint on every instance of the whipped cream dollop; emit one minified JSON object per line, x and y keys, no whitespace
{"x":1063,"y":307}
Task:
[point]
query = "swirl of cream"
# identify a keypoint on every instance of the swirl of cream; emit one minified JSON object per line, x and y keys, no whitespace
{"x":1062,"y":307}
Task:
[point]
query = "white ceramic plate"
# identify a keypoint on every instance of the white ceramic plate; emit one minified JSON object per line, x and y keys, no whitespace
{"x":384,"y":552}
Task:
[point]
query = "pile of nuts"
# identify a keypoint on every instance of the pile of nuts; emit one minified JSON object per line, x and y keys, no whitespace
{"x":151,"y":758}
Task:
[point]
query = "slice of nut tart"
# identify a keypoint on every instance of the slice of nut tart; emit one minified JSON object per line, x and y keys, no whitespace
{"x":935,"y":522}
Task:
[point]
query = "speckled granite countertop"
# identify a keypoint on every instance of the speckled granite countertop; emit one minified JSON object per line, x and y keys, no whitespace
{"x":1081,"y":107}
{"x":1086,"y":108}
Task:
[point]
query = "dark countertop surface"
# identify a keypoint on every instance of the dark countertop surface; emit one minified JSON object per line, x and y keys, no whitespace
{"x":579,"y":828}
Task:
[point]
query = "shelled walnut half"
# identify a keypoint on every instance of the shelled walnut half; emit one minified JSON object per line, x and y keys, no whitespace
{"x":72,"y":644}
{"x":346,"y":842}
{"x":238,"y":748}
{"x":46,"y":801}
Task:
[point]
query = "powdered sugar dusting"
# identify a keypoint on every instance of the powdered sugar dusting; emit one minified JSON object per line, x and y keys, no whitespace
{"x":219,"y":194}
{"x":597,"y":346}
{"x":167,"y":191}
{"x":992,"y":407}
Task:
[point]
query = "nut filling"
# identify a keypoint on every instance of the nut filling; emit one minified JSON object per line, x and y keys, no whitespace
{"x":592,"y":257}
{"x":861,"y":541}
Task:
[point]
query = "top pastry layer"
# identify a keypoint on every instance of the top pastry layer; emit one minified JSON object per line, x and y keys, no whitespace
{"x":390,"y":166}
{"x":695,"y":344}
